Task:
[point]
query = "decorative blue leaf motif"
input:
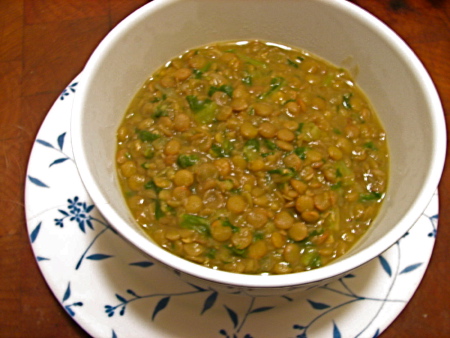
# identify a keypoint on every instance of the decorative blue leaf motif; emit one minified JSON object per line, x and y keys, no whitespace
{"x":350,"y":275}
{"x":69,"y":310}
{"x":262,"y":309}
{"x":377,"y":333}
{"x":37,"y":182}
{"x":67,"y":90}
{"x":318,"y":306}
{"x":45,"y":144}
{"x":67,"y":293}
{"x":98,"y":257}
{"x":209,"y":302}
{"x":61,"y":140}
{"x":131,"y":292}
{"x":233,"y":316}
{"x":410,"y":268}
{"x":120,"y":298}
{"x":197,"y":287}
{"x":35,"y":232}
{"x":65,"y":213}
{"x":40,"y":259}
{"x":114,"y":335}
{"x":143,"y":264}
{"x":89,"y":224}
{"x":160,"y":306}
{"x":59,"y":160}
{"x":385,"y":265}
{"x":298,"y":327}
{"x":336,"y":332}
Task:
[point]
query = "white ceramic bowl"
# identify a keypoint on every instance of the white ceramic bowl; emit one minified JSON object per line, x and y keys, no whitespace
{"x":387,"y":70}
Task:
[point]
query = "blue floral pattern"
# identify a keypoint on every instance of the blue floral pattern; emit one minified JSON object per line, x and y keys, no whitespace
{"x":72,"y":243}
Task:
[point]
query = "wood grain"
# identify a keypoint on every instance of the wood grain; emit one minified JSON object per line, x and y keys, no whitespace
{"x":44,"y":45}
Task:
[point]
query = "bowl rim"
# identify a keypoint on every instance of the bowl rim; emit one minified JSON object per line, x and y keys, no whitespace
{"x":332,"y":270}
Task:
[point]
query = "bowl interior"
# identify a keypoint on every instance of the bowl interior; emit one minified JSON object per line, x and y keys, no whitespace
{"x":387,"y":71}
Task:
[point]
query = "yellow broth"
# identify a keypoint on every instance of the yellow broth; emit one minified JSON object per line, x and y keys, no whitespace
{"x":252,"y":157}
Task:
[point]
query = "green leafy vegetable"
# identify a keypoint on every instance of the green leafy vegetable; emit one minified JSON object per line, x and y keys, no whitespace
{"x":160,"y":111}
{"x":151,"y":185}
{"x":211,"y":253}
{"x":283,"y":172}
{"x":251,"y":149}
{"x":204,"y":110}
{"x":248,"y":80}
{"x":185,"y":161}
{"x":275,"y":85}
{"x":252,"y":144}
{"x":198,"y":73}
{"x":292,"y":63}
{"x":222,"y":151}
{"x":159,"y":213}
{"x":226,"y":222}
{"x":370,"y":145}
{"x":237,"y":252}
{"x":149,"y":153}
{"x":252,"y":61}
{"x":146,"y":136}
{"x":346,"y":101}
{"x":196,"y":223}
{"x":311,"y":258}
{"x":227,"y":89}
{"x":300,"y":152}
{"x":258,"y":235}
{"x":336,"y":186}
{"x":372,"y":196}
{"x":270,"y":145}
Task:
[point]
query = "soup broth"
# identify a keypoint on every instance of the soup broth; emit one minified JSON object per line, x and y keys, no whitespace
{"x":252,"y":157}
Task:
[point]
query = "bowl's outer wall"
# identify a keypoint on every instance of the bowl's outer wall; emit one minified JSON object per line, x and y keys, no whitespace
{"x":386,"y":70}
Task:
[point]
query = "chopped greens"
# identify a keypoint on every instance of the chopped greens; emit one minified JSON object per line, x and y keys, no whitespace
{"x":236,"y":251}
{"x":370,"y":145}
{"x":292,"y":63}
{"x":147,"y":136}
{"x":248,"y":80}
{"x":275,"y":85}
{"x":372,"y":196}
{"x":159,"y":213}
{"x":185,"y":161}
{"x":204,"y":110}
{"x":270,"y":145}
{"x":346,"y":101}
{"x":196,"y":223}
{"x":227,"y":89}
{"x":282,"y":172}
{"x":300,"y":152}
{"x":226,"y":222}
{"x":150,"y":185}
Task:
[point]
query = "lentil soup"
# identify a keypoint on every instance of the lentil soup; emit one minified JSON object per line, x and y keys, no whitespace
{"x":252,"y":157}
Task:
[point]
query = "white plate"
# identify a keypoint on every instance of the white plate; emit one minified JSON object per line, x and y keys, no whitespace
{"x":112,"y":290}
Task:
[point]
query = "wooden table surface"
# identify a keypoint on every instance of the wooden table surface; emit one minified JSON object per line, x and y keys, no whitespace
{"x":44,"y":45}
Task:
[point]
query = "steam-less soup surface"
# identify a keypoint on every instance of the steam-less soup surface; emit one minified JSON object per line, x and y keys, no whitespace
{"x":253,"y":158}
